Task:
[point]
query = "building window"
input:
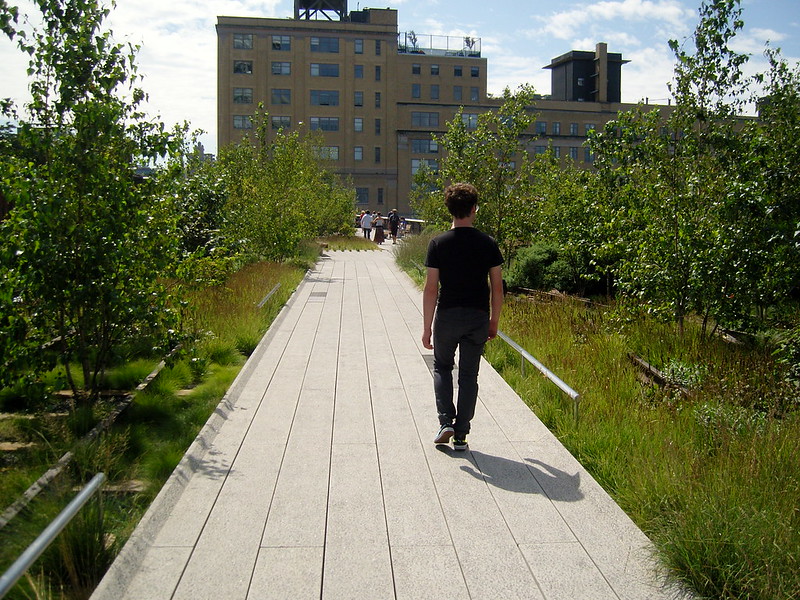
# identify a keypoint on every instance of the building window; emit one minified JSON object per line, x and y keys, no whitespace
{"x":243,"y":41}
{"x":358,"y":153}
{"x":324,"y":70}
{"x":362,"y":195}
{"x":281,"y":42}
{"x":457,"y":93}
{"x":242,"y":95}
{"x":556,"y":128}
{"x":377,"y":47}
{"x":358,"y":46}
{"x":417,"y":163}
{"x":434,"y":69}
{"x":325,"y":44}
{"x":470,"y":120}
{"x":328,"y":152}
{"x":540,"y":149}
{"x":281,"y":96}
{"x":588,"y":156}
{"x":434,"y":92}
{"x":380,"y":195}
{"x":377,"y":99}
{"x":358,"y":124}
{"x":424,"y":147}
{"x":358,"y":99}
{"x":473,"y":94}
{"x":281,"y":68}
{"x":557,"y":151}
{"x":358,"y":71}
{"x":416,"y":69}
{"x":325,"y":123}
{"x":573,"y":153}
{"x":377,"y":72}
{"x":588,"y":127}
{"x":243,"y":67}
{"x":281,"y":122}
{"x":377,"y":154}
{"x":324,"y":98}
{"x":541,"y":127}
{"x":573,"y":129}
{"x":416,"y":90}
{"x":242,"y":122}
{"x":458,"y":71}
{"x":474,"y":71}
{"x":424,"y":119}
{"x":377,"y":126}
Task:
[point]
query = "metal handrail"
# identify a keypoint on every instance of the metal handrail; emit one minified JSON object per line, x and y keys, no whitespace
{"x":527,"y":356}
{"x":268,"y":296}
{"x":40,"y":544}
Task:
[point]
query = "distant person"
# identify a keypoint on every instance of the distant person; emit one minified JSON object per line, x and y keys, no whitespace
{"x":394,"y":224}
{"x":366,"y":225}
{"x":378,"y":224}
{"x":464,"y":289}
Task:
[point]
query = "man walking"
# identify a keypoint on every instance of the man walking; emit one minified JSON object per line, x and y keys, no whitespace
{"x":366,"y":224}
{"x":464,"y":289}
{"x":394,"y":224}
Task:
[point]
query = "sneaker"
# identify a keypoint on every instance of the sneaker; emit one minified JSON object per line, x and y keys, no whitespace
{"x":444,"y":435}
{"x":460,"y":443}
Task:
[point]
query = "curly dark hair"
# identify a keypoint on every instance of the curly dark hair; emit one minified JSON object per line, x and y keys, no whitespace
{"x":460,"y":198}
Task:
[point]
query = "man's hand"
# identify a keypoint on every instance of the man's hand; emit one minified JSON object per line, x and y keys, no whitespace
{"x":426,"y":339}
{"x":493,"y":326}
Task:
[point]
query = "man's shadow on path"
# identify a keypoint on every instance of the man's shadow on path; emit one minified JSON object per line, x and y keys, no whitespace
{"x":530,"y":477}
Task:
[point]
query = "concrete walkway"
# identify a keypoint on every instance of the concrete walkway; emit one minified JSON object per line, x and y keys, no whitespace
{"x":317,"y":476}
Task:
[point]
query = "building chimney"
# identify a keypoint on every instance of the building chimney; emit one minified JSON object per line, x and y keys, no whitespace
{"x":601,"y":71}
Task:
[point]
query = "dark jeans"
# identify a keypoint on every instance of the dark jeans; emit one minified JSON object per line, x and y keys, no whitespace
{"x":367,"y":231}
{"x":467,"y":330}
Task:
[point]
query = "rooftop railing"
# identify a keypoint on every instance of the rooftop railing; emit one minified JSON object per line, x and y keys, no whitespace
{"x":409,"y":42}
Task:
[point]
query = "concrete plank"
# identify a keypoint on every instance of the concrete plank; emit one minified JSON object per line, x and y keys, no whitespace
{"x":361,"y":570}
{"x":495,"y":569}
{"x":564,"y":572}
{"x":227,"y":577}
{"x":414,"y":515}
{"x":282,"y":573}
{"x":427,"y":573}
{"x":298,"y":511}
{"x":156,"y":576}
{"x":355,"y":501}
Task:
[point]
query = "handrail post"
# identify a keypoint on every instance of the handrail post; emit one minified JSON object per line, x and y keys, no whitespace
{"x":40,"y":544}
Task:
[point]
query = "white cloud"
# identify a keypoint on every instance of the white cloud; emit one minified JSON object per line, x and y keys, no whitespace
{"x":564,"y":25}
{"x":647,"y":75}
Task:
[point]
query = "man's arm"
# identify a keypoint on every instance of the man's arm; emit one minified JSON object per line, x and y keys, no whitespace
{"x":430,"y":293}
{"x":496,"y":287}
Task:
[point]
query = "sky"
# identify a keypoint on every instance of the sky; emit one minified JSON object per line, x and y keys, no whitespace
{"x":518,"y":37}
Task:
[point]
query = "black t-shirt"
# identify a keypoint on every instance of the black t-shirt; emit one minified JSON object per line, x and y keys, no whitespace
{"x":463,"y":256}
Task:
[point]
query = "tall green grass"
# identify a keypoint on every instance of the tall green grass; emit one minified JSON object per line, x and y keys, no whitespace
{"x":147,"y":441}
{"x":713,"y":478}
{"x":410,"y":254}
{"x":347,"y":243}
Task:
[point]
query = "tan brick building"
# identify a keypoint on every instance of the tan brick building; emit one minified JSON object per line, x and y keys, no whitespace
{"x":377,"y":95}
